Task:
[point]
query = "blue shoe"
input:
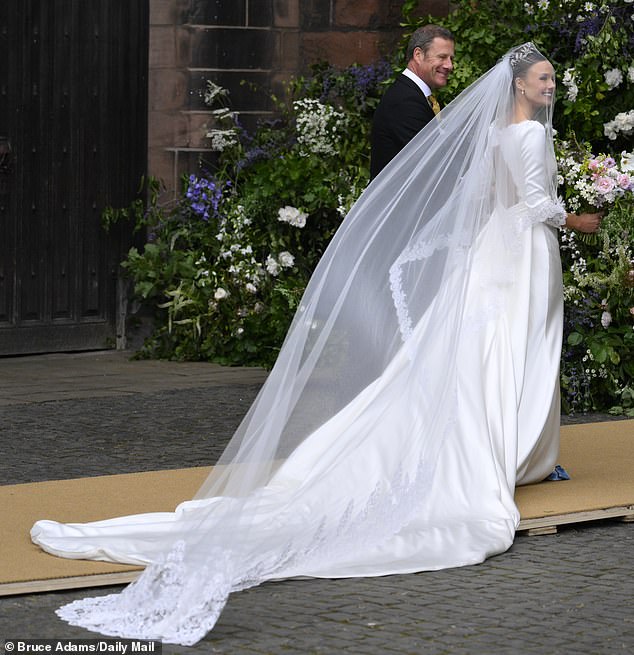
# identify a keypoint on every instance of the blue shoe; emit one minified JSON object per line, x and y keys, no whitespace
{"x":559,"y":473}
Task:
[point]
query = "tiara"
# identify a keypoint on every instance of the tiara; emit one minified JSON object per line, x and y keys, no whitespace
{"x":521,"y":53}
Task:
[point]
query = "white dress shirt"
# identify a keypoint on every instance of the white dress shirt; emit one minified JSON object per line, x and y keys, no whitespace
{"x":420,"y":83}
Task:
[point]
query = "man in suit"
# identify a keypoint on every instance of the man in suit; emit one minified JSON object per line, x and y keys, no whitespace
{"x":408,"y":104}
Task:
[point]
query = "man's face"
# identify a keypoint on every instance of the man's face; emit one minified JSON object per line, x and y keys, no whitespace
{"x":435,"y":65}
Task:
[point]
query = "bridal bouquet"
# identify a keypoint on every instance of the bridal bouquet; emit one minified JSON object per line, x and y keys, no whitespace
{"x":597,"y":366}
{"x":592,"y":182}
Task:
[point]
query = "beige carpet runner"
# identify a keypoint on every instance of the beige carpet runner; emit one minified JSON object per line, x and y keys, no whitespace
{"x":598,"y":456}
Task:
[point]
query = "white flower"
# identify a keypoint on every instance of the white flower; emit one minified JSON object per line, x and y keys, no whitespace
{"x":623,"y":122}
{"x":204,"y":278}
{"x":569,"y":81}
{"x":250,"y":287}
{"x":318,"y":127}
{"x":222,"y":139}
{"x":272,"y":266}
{"x":213,"y":91}
{"x":223,"y":113}
{"x":613,"y":78}
{"x":220,"y":293}
{"x":627,"y":161}
{"x":606,"y":319}
{"x":292,"y":216}
{"x":630,"y":73}
{"x":543,"y":4}
{"x":285,"y":259}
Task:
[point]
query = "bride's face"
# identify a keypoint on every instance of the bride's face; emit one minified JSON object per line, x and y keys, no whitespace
{"x":538,"y":86}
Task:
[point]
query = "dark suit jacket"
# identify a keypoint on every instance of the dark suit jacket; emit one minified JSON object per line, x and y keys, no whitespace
{"x":402,"y":112}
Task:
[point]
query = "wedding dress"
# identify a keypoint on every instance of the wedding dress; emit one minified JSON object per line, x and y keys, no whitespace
{"x":393,"y":447}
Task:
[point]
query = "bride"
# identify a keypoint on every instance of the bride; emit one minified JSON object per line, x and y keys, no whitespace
{"x":417,"y":386}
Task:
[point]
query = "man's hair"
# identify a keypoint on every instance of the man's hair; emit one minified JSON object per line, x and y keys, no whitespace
{"x":423,"y":37}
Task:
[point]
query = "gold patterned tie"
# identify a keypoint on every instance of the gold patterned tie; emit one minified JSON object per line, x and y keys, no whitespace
{"x":433,"y":104}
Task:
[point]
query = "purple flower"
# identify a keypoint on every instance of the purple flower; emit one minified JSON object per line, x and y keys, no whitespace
{"x":204,"y":197}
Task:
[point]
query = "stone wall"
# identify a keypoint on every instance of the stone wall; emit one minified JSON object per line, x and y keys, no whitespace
{"x":250,"y":47}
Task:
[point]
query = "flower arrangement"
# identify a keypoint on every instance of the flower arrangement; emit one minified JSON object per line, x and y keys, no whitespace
{"x":593,"y":182}
{"x":319,"y":127}
{"x":590,"y":43}
{"x":597,"y":364}
{"x":226,"y":264}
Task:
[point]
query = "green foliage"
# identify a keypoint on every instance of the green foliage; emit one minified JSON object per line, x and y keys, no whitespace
{"x":591,"y":46}
{"x":585,"y":41}
{"x":597,"y":365}
{"x":226,"y":264}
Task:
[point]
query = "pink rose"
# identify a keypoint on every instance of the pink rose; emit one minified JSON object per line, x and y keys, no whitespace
{"x":604,"y":185}
{"x":624,"y":181}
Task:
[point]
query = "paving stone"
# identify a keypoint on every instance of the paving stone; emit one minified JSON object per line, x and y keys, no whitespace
{"x":564,"y":593}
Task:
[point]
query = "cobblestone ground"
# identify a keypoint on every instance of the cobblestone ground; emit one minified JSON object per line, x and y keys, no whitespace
{"x":565,"y":593}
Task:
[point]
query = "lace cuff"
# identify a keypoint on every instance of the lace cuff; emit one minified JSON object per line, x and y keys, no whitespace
{"x":549,"y":212}
{"x":559,"y":214}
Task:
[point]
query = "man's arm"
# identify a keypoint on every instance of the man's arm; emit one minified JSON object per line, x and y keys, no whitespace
{"x":410,"y":118}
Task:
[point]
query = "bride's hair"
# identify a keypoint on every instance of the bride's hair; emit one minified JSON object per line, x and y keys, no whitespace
{"x":521,"y":59}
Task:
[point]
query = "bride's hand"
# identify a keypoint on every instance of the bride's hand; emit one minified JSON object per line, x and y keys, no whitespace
{"x":588,"y":223}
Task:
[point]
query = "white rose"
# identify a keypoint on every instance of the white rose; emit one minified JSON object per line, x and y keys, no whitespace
{"x":251,"y":288}
{"x":220,"y":293}
{"x":292,"y":215}
{"x":606,"y":319}
{"x":613,"y":78}
{"x":272,"y":266}
{"x":285,"y":259}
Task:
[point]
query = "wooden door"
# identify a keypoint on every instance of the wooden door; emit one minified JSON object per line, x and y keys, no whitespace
{"x":73,"y":126}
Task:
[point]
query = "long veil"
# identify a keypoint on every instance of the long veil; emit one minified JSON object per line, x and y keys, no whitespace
{"x":411,"y":229}
{"x":388,"y":293}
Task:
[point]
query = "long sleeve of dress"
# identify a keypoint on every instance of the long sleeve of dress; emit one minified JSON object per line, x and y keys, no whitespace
{"x":540,"y":201}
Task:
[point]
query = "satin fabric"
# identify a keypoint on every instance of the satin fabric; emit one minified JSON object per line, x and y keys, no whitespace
{"x":505,"y":433}
{"x":450,"y":500}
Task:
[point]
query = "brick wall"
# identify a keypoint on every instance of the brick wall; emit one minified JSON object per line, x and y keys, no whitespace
{"x":251,"y":47}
